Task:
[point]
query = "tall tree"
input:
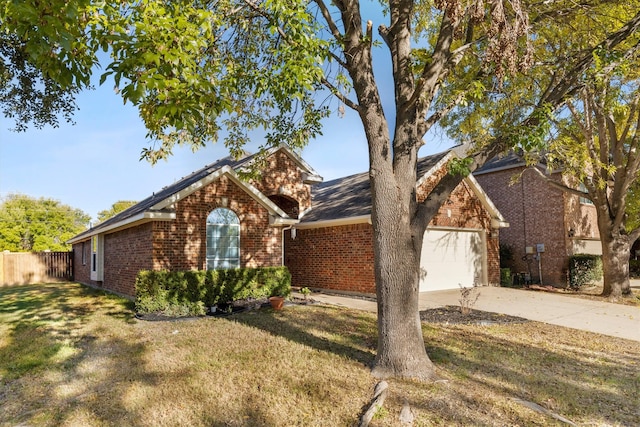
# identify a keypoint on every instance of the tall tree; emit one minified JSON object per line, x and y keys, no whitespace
{"x":594,"y":136}
{"x":193,"y":68}
{"x":599,"y":145}
{"x":30,"y":224}
{"x":115,"y":209}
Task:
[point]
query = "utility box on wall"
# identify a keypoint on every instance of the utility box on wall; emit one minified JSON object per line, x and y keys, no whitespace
{"x":540,"y":248}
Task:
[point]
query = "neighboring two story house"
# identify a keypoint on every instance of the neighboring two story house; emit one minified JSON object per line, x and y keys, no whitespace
{"x":288,"y":216}
{"x":546,"y":225}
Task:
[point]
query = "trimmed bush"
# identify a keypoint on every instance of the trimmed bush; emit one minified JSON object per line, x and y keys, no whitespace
{"x":186,"y":293}
{"x":584,"y":269}
{"x":505,"y":277}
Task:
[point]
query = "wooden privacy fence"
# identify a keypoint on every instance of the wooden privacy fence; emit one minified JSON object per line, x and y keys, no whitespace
{"x":21,"y":268}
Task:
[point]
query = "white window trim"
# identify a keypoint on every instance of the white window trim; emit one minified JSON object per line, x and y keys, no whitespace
{"x":216,"y":260}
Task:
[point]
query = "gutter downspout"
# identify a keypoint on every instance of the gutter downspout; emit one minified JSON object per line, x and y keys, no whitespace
{"x":283,"y":230}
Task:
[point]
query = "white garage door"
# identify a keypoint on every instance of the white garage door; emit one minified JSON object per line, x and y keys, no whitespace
{"x":450,"y":259}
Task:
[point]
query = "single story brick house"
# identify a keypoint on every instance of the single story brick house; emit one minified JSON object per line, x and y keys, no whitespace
{"x":321,"y":231}
{"x":332,"y":245}
{"x":547,"y":225}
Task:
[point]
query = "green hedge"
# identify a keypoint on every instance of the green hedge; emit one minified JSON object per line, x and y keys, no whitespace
{"x":187,"y":293}
{"x":505,"y":277}
{"x":584,"y":269}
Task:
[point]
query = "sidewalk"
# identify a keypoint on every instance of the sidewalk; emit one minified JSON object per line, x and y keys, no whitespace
{"x":605,"y":318}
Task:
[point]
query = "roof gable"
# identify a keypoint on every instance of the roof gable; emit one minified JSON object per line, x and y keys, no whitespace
{"x":159,"y":206}
{"x":349,"y":198}
{"x":310,"y":175}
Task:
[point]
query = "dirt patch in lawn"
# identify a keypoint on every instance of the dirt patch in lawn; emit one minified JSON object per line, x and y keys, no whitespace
{"x":453,"y":315}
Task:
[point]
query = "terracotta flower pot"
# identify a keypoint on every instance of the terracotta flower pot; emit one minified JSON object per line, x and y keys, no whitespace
{"x":276,"y":302}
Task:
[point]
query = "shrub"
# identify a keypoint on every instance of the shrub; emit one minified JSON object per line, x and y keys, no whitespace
{"x":584,"y":269}
{"x":468,"y":298}
{"x":505,"y":277}
{"x":188,"y":292}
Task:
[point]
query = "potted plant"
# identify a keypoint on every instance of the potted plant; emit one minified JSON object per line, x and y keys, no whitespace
{"x":277,"y":302}
{"x":278,"y":295}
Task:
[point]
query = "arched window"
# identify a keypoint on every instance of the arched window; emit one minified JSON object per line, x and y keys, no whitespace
{"x":223,"y":239}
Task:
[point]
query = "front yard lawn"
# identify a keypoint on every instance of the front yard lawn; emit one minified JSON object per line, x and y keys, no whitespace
{"x":73,"y":356}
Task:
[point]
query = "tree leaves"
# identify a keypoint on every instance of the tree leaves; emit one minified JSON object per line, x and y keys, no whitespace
{"x":29,"y":224}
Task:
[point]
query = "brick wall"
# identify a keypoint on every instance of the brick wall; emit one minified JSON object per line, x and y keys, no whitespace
{"x":280,"y":176}
{"x":181,"y":244}
{"x":126,"y":253}
{"x":581,"y":218}
{"x":536,"y":214}
{"x":341,"y":258}
{"x":82,"y":270}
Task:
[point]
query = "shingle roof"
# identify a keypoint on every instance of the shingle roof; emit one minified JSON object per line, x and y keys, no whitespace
{"x":350,"y":196}
{"x":508,"y":161}
{"x":146,"y":204}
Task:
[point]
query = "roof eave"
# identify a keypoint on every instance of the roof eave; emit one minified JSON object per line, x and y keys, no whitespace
{"x":362,"y":219}
{"x":141,"y":218}
{"x":276,"y":221}
{"x":434,"y":168}
{"x":311,"y":179}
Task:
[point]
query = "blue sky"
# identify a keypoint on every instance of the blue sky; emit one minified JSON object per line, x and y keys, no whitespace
{"x":94,"y":163}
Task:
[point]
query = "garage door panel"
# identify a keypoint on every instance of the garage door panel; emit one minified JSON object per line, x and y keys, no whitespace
{"x":450,"y":259}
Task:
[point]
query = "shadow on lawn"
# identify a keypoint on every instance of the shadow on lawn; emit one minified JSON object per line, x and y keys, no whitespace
{"x":346,"y":333}
{"x":48,"y":350}
{"x":552,"y":370}
{"x":488,"y":368}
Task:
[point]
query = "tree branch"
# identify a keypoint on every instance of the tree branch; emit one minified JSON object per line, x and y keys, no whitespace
{"x":432,"y":72}
{"x":424,"y":126}
{"x":334,"y":90}
{"x":329,"y":20}
{"x":606,"y":71}
{"x":555,"y":96}
{"x":265,"y":15}
{"x":568,"y":85}
{"x":559,"y":185}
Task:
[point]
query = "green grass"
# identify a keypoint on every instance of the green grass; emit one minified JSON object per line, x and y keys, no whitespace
{"x":73,"y":356}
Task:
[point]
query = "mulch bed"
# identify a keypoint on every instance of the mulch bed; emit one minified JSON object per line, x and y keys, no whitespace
{"x":452,"y":315}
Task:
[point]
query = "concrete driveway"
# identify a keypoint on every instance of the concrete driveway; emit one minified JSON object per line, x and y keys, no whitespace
{"x":605,"y":318}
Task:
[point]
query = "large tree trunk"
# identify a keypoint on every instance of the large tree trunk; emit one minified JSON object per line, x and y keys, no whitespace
{"x":401,"y":350}
{"x":397,"y":249}
{"x":616,"y":249}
